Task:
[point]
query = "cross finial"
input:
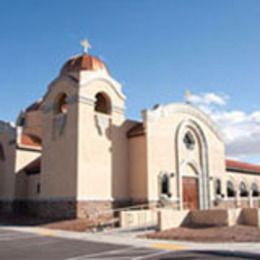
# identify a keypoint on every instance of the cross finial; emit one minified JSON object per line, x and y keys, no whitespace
{"x":187,"y":96}
{"x":86,"y":45}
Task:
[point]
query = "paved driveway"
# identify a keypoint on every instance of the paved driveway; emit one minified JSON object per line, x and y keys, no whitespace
{"x":23,"y":245}
{"x":43,"y":245}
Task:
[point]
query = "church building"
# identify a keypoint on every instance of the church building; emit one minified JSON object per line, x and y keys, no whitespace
{"x":73,"y":153}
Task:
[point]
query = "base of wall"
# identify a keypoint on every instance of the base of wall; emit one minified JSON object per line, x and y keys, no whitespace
{"x":90,"y":209}
{"x":232,"y":203}
{"x":256,"y":203}
{"x":6,"y":206}
{"x":224,"y":204}
{"x":68,"y":209}
{"x":47,"y":209}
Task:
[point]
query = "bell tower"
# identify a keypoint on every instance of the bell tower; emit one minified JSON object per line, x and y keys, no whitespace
{"x":84,"y":143}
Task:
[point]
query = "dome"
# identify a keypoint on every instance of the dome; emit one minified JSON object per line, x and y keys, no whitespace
{"x":84,"y":62}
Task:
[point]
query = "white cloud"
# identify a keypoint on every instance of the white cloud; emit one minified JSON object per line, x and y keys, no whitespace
{"x":241,"y":130}
{"x":209,"y":99}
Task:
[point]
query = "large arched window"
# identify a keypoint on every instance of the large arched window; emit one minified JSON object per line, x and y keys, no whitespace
{"x":255,"y":190}
{"x":218,"y":189}
{"x":230,"y":189}
{"x":2,"y":153}
{"x":103,"y":103}
{"x":61,"y":104}
{"x":243,"y":190}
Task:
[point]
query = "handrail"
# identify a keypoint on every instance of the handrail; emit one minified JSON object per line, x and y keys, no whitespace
{"x":140,"y":206}
{"x":112,"y":222}
{"x":101,"y":224}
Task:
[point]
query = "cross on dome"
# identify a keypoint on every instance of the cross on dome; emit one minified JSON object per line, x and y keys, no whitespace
{"x":187,"y":96}
{"x":86,"y":45}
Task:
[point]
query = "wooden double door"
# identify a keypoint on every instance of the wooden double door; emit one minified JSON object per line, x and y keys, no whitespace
{"x":190,"y":193}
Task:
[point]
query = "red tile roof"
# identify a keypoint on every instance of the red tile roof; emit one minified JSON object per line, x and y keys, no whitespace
{"x":31,"y":140}
{"x":232,"y":165}
{"x":84,"y":62}
{"x":136,"y":130}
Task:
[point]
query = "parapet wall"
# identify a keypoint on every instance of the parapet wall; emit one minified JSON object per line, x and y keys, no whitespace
{"x":251,"y":217}
{"x":138,"y":218}
{"x":170,"y":218}
{"x":216,"y":217}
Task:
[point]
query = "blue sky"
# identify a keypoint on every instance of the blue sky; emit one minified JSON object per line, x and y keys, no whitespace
{"x":156,"y":49}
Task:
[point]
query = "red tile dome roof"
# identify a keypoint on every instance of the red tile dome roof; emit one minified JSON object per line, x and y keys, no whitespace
{"x":84,"y":62}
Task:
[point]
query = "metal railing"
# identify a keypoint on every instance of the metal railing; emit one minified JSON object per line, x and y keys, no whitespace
{"x":113,"y":215}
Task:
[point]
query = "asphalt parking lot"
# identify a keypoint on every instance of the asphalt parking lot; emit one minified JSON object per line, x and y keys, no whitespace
{"x":23,"y":245}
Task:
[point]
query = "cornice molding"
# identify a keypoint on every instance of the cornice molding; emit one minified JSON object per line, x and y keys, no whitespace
{"x":171,"y":109}
{"x":98,"y":76}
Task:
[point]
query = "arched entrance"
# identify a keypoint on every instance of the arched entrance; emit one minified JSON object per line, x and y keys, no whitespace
{"x":192,"y":166}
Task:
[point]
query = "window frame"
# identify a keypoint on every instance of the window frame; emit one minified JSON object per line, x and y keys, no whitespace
{"x":254,"y":187}
{"x":218,"y":187}
{"x":243,"y":190}
{"x":230,"y":188}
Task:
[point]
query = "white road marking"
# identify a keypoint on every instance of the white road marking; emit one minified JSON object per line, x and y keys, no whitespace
{"x":151,"y":255}
{"x":109,"y":258}
{"x":145,"y":250}
{"x":130,"y":253}
{"x":99,"y":254}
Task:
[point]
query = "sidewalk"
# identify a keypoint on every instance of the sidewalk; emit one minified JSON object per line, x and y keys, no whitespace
{"x":130,"y":239}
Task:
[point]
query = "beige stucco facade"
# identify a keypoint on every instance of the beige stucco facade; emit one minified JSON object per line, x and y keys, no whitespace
{"x":73,"y":153}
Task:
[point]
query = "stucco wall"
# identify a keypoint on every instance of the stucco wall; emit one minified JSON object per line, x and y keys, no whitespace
{"x":102,"y":144}
{"x":236,"y":178}
{"x":138,"y":168}
{"x":138,"y":218}
{"x":21,"y":186}
{"x":24,"y":157}
{"x":217,"y":217}
{"x":169,"y":218}
{"x":59,"y":161}
{"x":26,"y":186}
{"x":7,"y":165}
{"x":251,"y":217}
{"x":87,"y":156}
{"x":32,"y":189}
{"x":162,"y":127}
{"x":33,"y":122}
